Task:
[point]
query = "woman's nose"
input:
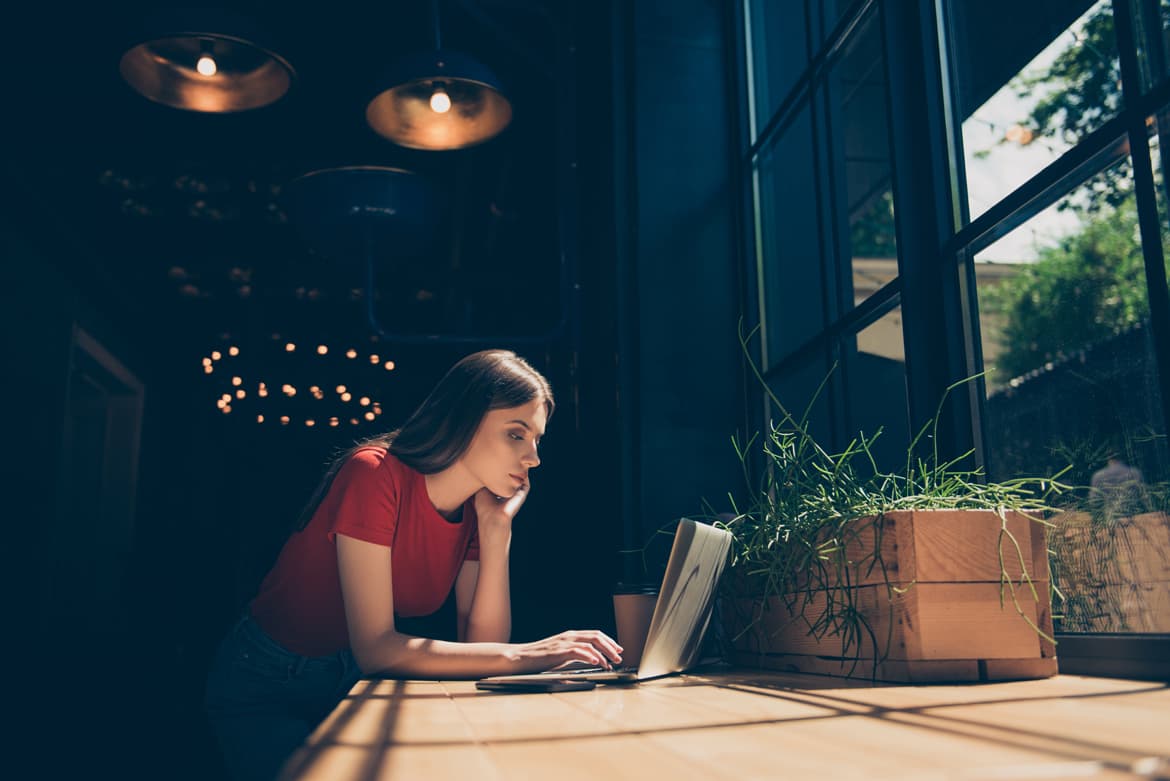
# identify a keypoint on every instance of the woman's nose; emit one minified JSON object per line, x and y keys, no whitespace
{"x":531,"y":459}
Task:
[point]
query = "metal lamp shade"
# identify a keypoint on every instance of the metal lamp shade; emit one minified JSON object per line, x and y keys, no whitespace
{"x":402,"y":113}
{"x":247,"y":75}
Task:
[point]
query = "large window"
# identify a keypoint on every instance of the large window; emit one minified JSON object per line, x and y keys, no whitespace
{"x":1043,"y":250}
{"x":820,"y":164}
{"x":1051,"y":130}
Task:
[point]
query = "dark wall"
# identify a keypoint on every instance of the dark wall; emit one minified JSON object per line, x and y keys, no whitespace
{"x":678,"y":266}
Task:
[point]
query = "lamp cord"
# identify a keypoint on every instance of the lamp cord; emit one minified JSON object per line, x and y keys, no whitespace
{"x":435,"y":23}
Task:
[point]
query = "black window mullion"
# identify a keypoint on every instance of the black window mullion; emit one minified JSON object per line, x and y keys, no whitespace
{"x":1149,"y":221}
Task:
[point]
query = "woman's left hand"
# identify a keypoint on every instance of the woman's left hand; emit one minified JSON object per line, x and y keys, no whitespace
{"x":495,"y":513}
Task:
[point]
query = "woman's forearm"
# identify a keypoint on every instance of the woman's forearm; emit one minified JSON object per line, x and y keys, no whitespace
{"x":420,"y":657}
{"x":490,"y":617}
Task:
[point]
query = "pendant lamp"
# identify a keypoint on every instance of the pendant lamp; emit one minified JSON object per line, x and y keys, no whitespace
{"x":439,"y":100}
{"x":215,"y":63}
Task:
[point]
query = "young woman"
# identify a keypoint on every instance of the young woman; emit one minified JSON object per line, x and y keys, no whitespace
{"x":396,"y":524}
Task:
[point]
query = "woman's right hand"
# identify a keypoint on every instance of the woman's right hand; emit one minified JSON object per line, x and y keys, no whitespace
{"x":589,"y":646}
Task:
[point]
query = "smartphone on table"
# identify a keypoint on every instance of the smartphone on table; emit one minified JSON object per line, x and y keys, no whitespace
{"x":530,"y":685}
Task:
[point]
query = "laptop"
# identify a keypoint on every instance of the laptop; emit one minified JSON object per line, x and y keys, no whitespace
{"x":681,"y":614}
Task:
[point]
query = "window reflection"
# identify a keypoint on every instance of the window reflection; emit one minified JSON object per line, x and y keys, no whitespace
{"x":1152,"y":23}
{"x":791,"y":277}
{"x":778,"y":54}
{"x":875,"y":363}
{"x":857,"y":97}
{"x":1030,"y":90}
{"x":1073,"y":383}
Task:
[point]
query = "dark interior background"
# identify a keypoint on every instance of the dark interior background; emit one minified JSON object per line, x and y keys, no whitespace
{"x":596,"y":236}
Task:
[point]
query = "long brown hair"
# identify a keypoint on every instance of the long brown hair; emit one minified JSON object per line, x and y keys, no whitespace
{"x":442,"y":427}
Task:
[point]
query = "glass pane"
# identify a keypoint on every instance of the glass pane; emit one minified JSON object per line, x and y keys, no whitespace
{"x":805,"y":391}
{"x":827,"y":16}
{"x":1065,"y":332}
{"x":1029,"y":90}
{"x":875,"y":363}
{"x":857,"y":100}
{"x":789,"y":248}
{"x":1152,"y":19}
{"x":1159,"y":127}
{"x":778,"y":52}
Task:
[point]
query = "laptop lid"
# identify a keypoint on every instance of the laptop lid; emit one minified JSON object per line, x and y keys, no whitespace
{"x":685,"y":600}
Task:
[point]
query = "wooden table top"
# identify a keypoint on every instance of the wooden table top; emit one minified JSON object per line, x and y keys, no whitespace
{"x":744,"y":724}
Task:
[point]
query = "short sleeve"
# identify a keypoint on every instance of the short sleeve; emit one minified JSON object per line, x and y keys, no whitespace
{"x":364,"y":499}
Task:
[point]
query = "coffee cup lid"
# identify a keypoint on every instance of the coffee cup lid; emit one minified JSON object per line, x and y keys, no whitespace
{"x":635,"y":588}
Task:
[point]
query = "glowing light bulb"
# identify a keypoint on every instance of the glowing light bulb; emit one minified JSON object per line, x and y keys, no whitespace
{"x":233,"y":351}
{"x":206,"y":65}
{"x":369,"y":416}
{"x":440,"y":101}
{"x":236,"y":381}
{"x":364,"y":401}
{"x":284,"y":420}
{"x":259,"y":418}
{"x":240,"y":393}
{"x":215,"y":356}
{"x":341,"y":389}
{"x":389,"y":366}
{"x":346,"y":397}
{"x":290,"y":347}
{"x":351,"y":353}
{"x":322,"y":349}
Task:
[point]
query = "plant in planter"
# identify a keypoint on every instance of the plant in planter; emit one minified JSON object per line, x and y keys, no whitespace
{"x":927,"y":574}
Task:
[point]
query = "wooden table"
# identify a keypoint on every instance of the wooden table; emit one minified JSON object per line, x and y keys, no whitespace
{"x":741,"y":724}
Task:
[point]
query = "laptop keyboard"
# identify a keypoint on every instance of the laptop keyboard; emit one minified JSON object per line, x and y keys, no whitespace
{"x":590,"y":669}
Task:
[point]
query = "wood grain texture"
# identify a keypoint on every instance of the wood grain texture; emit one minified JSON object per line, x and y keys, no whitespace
{"x":743,"y":723}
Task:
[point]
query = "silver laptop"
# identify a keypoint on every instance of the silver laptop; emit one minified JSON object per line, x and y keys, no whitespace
{"x":681,"y":614}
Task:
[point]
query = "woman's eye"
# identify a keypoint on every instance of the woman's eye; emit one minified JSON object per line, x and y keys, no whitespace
{"x":517,"y":437}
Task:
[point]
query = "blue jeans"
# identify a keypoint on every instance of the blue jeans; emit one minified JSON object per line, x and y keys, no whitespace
{"x":263,"y":700}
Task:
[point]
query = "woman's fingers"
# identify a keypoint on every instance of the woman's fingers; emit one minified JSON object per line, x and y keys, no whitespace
{"x":603,"y":642}
{"x":602,"y":650}
{"x":589,"y":646}
{"x":512,"y":505}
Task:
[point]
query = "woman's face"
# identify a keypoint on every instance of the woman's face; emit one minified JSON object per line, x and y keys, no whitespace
{"x":503,"y":449}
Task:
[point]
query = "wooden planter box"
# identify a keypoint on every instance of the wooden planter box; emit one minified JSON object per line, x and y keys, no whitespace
{"x":945,"y":622}
{"x":1115,"y":577}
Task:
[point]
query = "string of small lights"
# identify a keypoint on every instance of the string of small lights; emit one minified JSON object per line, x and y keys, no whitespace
{"x":317,"y":386}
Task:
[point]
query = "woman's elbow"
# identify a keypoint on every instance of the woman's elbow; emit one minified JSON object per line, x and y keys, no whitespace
{"x":378,"y":654}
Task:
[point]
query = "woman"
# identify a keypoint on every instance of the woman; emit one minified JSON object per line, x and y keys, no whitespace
{"x":396,"y":524}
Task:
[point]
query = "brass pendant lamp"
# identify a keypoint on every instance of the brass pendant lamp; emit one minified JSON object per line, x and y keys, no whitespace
{"x":439,"y":100}
{"x":213,"y":64}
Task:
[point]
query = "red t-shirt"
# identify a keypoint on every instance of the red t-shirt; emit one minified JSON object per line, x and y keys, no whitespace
{"x":376,"y":498}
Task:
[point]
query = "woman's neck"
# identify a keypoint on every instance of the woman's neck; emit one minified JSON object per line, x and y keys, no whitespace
{"x":449,"y":489}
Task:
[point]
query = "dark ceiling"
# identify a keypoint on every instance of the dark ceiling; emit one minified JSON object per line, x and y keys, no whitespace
{"x":182,"y":216}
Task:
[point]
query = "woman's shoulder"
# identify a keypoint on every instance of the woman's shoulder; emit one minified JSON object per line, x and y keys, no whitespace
{"x":374,"y":459}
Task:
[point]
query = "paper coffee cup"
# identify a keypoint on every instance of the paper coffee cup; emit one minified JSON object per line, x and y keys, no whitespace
{"x":633,"y":607}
